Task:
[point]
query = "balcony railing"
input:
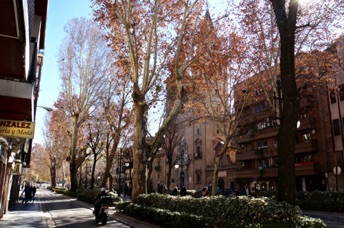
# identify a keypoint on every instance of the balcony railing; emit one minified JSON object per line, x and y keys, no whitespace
{"x":256,"y":134}
{"x":310,"y":146}
{"x":302,"y":168}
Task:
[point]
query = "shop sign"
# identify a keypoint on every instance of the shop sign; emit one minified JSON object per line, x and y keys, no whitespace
{"x":17,"y":129}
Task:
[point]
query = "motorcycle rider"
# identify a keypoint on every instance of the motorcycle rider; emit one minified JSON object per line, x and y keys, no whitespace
{"x":98,"y":202}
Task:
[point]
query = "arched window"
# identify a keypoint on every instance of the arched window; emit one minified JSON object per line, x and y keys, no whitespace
{"x":221,"y":183}
{"x":198,"y":146}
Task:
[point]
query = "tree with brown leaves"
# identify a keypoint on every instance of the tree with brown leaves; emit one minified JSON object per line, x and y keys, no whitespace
{"x":212,"y":86}
{"x":39,"y":168}
{"x":116,"y":108}
{"x":84,"y":63}
{"x":56,"y":140}
{"x":147,"y":35}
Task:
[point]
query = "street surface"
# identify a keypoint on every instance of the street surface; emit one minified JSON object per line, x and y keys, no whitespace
{"x":62,"y":211}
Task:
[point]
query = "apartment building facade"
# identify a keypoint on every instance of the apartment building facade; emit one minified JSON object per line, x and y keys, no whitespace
{"x":319,"y":140}
{"x":22,"y":36}
{"x":257,"y":155}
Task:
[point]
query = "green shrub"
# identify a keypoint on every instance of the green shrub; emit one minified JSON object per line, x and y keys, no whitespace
{"x":88,"y":195}
{"x":69,"y":193}
{"x":224,"y":212}
{"x":321,"y":201}
{"x":60,"y":190}
{"x":122,"y":205}
{"x":166,"y":218}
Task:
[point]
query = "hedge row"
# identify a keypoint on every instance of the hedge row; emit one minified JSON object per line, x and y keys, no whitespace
{"x":217,"y":211}
{"x":321,"y":201}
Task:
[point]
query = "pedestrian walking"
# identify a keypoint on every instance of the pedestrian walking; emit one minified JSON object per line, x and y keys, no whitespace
{"x":27,"y":194}
{"x":245,"y":191}
{"x":33,"y":192}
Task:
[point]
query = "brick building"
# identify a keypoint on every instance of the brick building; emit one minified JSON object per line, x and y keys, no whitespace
{"x":319,"y":139}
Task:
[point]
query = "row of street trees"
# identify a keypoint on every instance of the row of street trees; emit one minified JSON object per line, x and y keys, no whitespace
{"x":172,"y":54}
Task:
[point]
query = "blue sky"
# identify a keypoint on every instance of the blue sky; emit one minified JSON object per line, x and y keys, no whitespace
{"x":59,"y":12}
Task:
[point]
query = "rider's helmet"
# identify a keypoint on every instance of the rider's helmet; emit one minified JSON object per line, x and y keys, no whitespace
{"x":102,"y":189}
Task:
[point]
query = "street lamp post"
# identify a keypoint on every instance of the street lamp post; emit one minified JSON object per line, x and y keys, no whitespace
{"x":337,"y":171}
{"x":128,"y":166}
{"x":182,"y":161}
{"x":98,"y":181}
{"x":87,"y":168}
{"x":45,"y":108}
{"x":54,"y":170}
{"x":119,"y":168}
{"x":176,"y":166}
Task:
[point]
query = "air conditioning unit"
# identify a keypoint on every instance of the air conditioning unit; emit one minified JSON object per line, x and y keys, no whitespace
{"x":241,"y":164}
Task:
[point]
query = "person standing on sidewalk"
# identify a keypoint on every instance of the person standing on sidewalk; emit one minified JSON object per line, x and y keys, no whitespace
{"x":33,"y":192}
{"x":27,"y":192}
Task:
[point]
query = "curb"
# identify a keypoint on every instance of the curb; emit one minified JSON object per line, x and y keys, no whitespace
{"x":130,"y":221}
{"x":48,"y":222}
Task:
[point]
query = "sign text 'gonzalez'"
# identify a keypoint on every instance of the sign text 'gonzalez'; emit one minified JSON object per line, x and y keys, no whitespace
{"x":19,"y":129}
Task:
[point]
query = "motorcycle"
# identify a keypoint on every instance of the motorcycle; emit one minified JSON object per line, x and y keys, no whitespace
{"x":102,"y":214}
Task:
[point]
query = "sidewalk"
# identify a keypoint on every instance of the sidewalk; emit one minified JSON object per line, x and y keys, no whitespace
{"x":30,"y":215}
